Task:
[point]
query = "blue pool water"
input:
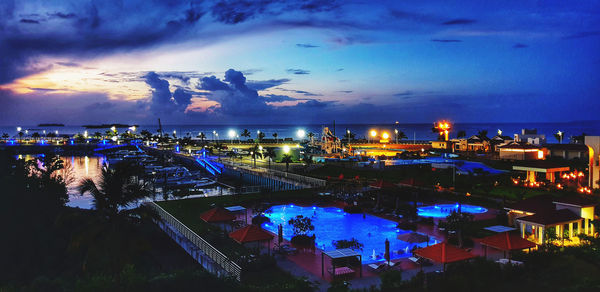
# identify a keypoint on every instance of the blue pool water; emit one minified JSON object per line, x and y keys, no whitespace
{"x":335,"y":224}
{"x":443,"y":210}
{"x":461,"y":165}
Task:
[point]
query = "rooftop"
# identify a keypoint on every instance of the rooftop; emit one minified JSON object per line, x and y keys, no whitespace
{"x":551,"y":217}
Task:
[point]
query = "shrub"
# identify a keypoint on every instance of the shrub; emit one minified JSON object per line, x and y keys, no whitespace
{"x":352,"y":244}
{"x":301,"y":225}
{"x":303,"y":240}
{"x":391,"y":280}
{"x":260,"y":219}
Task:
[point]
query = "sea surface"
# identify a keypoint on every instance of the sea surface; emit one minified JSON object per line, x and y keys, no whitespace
{"x":412,"y":131}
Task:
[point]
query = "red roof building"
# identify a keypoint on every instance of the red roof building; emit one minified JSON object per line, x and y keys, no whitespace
{"x":506,"y":241}
{"x":251,"y":233}
{"x":217,"y":215}
{"x":444,"y":253}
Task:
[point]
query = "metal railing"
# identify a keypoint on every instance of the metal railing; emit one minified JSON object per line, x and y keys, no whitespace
{"x":214,"y":254}
{"x":276,"y":174}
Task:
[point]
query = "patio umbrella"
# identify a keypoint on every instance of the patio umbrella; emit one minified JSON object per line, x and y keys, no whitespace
{"x":280,"y":234}
{"x":414,"y":237}
{"x":386,"y":255}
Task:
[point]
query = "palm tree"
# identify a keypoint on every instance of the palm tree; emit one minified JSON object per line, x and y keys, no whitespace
{"x":287,"y":159}
{"x":35,"y":136}
{"x":400,"y":135}
{"x":275,"y":136}
{"x":482,"y":134}
{"x":5,"y":136}
{"x":311,"y":135}
{"x":21,"y":136}
{"x":269,"y":154}
{"x":246,"y":133}
{"x":255,"y":152}
{"x":116,"y":226}
{"x":202,"y":136}
{"x":260,"y":136}
{"x":461,"y":134}
{"x":115,"y":191}
{"x":308,"y":161}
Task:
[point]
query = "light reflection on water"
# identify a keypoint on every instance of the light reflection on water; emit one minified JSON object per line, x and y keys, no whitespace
{"x":78,"y":168}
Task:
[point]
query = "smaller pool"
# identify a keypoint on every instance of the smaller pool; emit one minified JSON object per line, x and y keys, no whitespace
{"x":443,"y":210}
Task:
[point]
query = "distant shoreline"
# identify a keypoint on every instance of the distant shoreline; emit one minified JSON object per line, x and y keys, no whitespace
{"x":50,"y":125}
{"x":106,"y":126}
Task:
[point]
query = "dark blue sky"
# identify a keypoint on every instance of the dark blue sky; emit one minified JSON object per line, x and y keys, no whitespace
{"x":298,"y":61}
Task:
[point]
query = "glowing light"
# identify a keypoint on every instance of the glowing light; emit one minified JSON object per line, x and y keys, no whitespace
{"x":286,"y":149}
{"x":540,"y":154}
{"x":373,"y":133}
{"x":301,"y":133}
{"x":85,"y":134}
{"x":231,"y":134}
{"x":113,"y":128}
{"x":18,"y":129}
{"x":114,"y":138}
{"x":385,"y":135}
{"x":132,"y":128}
{"x":499,"y":132}
{"x":260,"y":148}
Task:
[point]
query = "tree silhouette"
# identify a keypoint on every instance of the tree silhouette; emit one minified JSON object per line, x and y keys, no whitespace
{"x":287,"y":159}
{"x":461,"y":134}
{"x":269,"y":154}
{"x":255,"y":152}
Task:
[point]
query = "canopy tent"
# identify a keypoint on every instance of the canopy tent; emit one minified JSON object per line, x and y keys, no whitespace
{"x":217,"y":215}
{"x":499,"y":228}
{"x":345,"y":253}
{"x":506,"y":241}
{"x":252,"y":233}
{"x":238,"y":209}
{"x":444,"y":253}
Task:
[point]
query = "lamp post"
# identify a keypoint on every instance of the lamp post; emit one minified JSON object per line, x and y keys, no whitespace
{"x":396,"y":132}
{"x":373,"y":134}
{"x":560,"y":136}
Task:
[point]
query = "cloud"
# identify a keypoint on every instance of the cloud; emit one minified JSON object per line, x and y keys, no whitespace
{"x":298,"y":71}
{"x":68,"y":64}
{"x":345,"y":91}
{"x":266,"y":84}
{"x":306,"y":46}
{"x":459,"y":21}
{"x":278,"y":98}
{"x":583,"y":34}
{"x":305,"y":93}
{"x":62,"y":15}
{"x":339,"y":70}
{"x":30,"y":21}
{"x":212,"y":83}
{"x":520,"y":46}
{"x":446,"y":41}
{"x":162,"y":100}
{"x":404,"y":93}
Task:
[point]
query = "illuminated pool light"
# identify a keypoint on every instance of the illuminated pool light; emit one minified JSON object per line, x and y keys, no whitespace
{"x":443,"y":210}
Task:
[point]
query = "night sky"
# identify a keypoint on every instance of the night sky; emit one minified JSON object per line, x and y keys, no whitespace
{"x":195,"y":62}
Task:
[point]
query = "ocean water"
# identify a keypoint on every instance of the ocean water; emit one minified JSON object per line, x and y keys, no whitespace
{"x":412,"y":131}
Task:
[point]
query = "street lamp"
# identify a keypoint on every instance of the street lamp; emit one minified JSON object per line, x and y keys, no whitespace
{"x":286,"y":149}
{"x":231,"y":135}
{"x":300,"y":134}
{"x":19,"y":129}
{"x":560,"y":136}
{"x":373,"y":134}
{"x":396,"y":132}
{"x":348,"y":133}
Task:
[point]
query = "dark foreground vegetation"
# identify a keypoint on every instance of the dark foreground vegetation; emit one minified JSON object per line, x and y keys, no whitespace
{"x":49,"y":247}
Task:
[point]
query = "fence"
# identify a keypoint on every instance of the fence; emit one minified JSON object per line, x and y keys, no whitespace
{"x":228,"y":265}
{"x":276,"y":174}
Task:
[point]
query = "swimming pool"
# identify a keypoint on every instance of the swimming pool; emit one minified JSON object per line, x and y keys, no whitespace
{"x":443,"y":210}
{"x":461,"y":165}
{"x":335,"y":224}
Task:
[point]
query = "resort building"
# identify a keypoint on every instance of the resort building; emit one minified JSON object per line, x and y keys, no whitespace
{"x":593,"y":144}
{"x":474,"y":143}
{"x":530,"y":136}
{"x":564,"y":218}
{"x":520,"y":151}
{"x":566,"y":151}
{"x":446,"y":145}
{"x":533,"y":169}
{"x":497,"y":141}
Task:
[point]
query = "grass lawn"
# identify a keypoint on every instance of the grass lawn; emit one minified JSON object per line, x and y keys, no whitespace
{"x":188,"y":211}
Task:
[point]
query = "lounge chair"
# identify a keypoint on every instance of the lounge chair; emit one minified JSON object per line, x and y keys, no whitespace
{"x":378,"y":267}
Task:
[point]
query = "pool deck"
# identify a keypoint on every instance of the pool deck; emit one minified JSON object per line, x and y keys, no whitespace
{"x":307,"y":263}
